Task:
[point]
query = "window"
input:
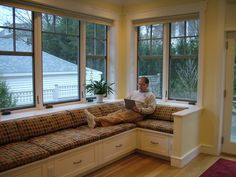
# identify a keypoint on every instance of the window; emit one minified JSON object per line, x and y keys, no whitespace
{"x":150,"y":56}
{"x":183,"y":60}
{"x":181,"y":49}
{"x":21,"y":76}
{"x":60,"y":45}
{"x":16,"y":58}
{"x":96,"y":53}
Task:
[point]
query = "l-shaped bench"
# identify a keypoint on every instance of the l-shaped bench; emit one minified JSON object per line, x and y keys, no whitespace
{"x":60,"y":144}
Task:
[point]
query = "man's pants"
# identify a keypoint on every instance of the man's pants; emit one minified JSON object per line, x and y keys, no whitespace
{"x":118,"y":117}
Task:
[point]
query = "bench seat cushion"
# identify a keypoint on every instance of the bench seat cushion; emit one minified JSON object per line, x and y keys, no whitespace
{"x":104,"y":132}
{"x":158,"y":125}
{"x":63,"y":140}
{"x":16,"y":154}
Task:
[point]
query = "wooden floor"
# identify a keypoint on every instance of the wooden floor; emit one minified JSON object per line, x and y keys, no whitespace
{"x":139,"y":165}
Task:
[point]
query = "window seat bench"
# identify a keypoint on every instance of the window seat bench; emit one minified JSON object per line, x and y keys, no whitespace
{"x":61,"y":144}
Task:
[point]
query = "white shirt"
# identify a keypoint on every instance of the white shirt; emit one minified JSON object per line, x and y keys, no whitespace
{"x":145,"y":101}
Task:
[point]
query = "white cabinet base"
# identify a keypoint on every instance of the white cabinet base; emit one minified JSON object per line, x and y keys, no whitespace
{"x":87,"y":158}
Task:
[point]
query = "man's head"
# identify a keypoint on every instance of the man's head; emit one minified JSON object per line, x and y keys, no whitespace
{"x":143,"y":84}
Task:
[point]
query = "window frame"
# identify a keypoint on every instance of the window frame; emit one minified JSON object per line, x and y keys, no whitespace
{"x":49,"y":104}
{"x":167,"y":57}
{"x":151,"y":56}
{"x":37,"y":63}
{"x":100,"y":57}
{"x":14,"y":52}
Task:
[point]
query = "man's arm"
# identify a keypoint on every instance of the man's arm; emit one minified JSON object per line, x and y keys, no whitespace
{"x":150,"y":107}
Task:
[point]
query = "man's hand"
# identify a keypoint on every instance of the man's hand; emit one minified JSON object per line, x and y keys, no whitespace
{"x":135,"y":109}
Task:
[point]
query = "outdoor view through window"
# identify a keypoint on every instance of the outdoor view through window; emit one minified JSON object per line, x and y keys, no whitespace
{"x":16,"y":58}
{"x":60,"y":57}
{"x":181,"y":55}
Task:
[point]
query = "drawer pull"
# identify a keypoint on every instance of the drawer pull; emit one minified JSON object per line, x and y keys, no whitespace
{"x":77,"y":162}
{"x":153,"y":142}
{"x":120,"y":145}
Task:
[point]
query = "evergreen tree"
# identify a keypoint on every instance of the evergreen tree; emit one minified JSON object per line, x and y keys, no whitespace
{"x":6,"y":98}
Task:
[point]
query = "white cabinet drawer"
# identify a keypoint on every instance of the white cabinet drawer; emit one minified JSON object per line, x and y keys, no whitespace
{"x":75,"y":163}
{"x":155,"y":143}
{"x":118,"y":145}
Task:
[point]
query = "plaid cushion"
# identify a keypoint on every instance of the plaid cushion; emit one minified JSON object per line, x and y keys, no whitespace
{"x":158,"y":125}
{"x":20,"y":153}
{"x":104,"y":132}
{"x":9,"y":132}
{"x":39,"y":125}
{"x":79,"y":117}
{"x":164,"y":112}
{"x":111,"y":107}
{"x":96,"y":110}
{"x":63,"y":140}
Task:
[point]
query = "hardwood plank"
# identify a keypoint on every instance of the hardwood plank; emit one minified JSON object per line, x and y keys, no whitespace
{"x":140,"y":165}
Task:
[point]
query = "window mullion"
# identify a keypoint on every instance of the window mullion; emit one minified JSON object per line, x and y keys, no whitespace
{"x":166,"y":53}
{"x":38,"y":61}
{"x":14,"y":30}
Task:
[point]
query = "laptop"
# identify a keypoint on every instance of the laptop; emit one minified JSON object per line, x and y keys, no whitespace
{"x":129,"y":104}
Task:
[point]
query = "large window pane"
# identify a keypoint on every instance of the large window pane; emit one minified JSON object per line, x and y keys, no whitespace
{"x":60,"y":60}
{"x":183,"y":69}
{"x":96,"y":57}
{"x":16,"y":59}
{"x":16,"y":81}
{"x":150,"y":54}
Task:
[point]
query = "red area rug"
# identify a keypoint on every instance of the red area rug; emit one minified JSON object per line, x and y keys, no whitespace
{"x":221,"y":168}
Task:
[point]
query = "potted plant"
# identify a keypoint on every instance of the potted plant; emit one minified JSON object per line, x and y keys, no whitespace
{"x":99,"y":88}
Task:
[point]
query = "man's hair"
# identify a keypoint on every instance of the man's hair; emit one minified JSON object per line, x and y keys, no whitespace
{"x":146,"y":80}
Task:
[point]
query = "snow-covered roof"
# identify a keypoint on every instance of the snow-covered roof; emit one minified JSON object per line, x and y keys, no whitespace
{"x":23,"y":64}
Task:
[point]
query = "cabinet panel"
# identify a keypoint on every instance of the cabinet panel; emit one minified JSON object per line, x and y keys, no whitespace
{"x":26,"y":172}
{"x":118,"y":145}
{"x":155,"y":143}
{"x":75,"y":163}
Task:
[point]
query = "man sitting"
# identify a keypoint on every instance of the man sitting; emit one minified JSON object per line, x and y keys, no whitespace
{"x":145,"y":104}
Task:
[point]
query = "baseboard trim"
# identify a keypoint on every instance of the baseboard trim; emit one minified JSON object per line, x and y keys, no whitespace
{"x":207,"y":149}
{"x":186,"y":158}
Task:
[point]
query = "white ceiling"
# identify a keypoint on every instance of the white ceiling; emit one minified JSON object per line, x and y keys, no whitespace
{"x":126,"y":2}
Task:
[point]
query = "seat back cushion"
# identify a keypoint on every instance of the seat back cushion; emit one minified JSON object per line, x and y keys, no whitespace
{"x":165,"y":112}
{"x":9,"y":132}
{"x":42,"y":124}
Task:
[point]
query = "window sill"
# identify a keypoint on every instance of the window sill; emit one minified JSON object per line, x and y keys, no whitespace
{"x":33,"y":112}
